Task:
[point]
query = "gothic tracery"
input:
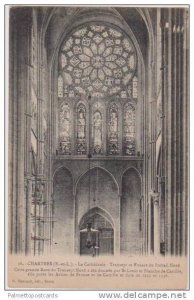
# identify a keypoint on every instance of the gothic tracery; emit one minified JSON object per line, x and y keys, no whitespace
{"x":100,"y":61}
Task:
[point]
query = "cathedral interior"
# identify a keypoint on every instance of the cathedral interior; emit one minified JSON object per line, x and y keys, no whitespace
{"x":98,"y":130}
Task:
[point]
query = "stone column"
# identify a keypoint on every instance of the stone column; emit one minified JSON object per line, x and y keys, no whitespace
{"x":155,"y":199}
{"x":28,"y":197}
{"x":76,"y":237}
{"x":185,"y":134}
{"x":117,"y":230}
{"x":149,"y":227}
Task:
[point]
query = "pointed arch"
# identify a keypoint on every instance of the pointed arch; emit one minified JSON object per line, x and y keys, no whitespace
{"x":132,"y":168}
{"x":100,"y":168}
{"x":96,"y":210}
{"x":64,"y":168}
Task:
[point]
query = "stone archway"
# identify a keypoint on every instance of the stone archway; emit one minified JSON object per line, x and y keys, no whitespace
{"x":97,"y":188}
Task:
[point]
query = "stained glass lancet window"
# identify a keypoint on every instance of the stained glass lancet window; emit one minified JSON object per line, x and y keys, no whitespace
{"x":97,"y":132}
{"x":113,"y":130}
{"x":135,"y":87}
{"x":64,"y":129}
{"x":129,"y":129}
{"x":81,"y":129}
{"x":60,"y":86}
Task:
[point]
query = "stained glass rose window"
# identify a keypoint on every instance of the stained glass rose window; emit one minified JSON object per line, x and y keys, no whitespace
{"x":97,"y":60}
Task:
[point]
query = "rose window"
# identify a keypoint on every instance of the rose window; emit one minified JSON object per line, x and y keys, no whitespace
{"x":97,"y":60}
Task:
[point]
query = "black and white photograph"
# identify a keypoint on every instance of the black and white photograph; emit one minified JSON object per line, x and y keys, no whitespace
{"x":98,"y":135}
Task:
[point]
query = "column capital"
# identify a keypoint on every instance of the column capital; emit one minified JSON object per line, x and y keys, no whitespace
{"x":155,"y":196}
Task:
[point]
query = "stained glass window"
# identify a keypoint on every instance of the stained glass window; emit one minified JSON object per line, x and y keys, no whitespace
{"x":60,"y":86}
{"x":64,"y":129}
{"x":129,"y":129}
{"x":81,"y":129}
{"x":99,"y":60}
{"x":97,"y":132}
{"x":135,"y":87}
{"x":113,"y":130}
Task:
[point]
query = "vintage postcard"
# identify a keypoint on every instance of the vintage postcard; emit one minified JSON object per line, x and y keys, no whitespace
{"x":98,"y":110}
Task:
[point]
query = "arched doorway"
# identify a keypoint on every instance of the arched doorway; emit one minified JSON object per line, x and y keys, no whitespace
{"x":96,"y":233}
{"x":97,"y":188}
